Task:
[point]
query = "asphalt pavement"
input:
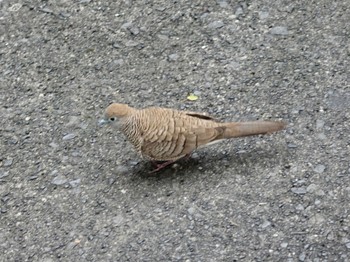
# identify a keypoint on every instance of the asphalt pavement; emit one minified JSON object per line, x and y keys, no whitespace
{"x":73,"y":191}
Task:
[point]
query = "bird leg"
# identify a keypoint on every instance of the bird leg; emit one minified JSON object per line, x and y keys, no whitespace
{"x":187,"y":157}
{"x":160,"y":166}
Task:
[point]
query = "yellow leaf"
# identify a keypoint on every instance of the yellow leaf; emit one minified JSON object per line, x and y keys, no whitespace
{"x":192,"y":97}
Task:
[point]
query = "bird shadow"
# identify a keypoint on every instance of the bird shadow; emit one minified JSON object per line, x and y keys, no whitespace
{"x":144,"y":169}
{"x":213,"y":162}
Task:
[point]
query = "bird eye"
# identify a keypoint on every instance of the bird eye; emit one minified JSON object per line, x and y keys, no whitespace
{"x":112,"y":119}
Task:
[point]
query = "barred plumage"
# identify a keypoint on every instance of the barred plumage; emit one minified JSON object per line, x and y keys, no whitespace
{"x":163,"y":134}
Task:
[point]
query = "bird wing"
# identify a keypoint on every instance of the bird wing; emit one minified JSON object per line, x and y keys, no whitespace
{"x":172,"y":134}
{"x":201,"y":116}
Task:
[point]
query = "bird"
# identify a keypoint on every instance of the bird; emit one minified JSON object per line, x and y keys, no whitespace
{"x":166,"y":135}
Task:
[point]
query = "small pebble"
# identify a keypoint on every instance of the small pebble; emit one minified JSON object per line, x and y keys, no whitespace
{"x":157,"y":210}
{"x":47,"y":10}
{"x":320,"y":192}
{"x":102,"y":122}
{"x":302,"y":257}
{"x":319,"y":124}
{"x":69,"y":136}
{"x":4,"y":174}
{"x":118,"y":220}
{"x":54,"y":172}
{"x":75,"y":153}
{"x":195,"y":156}
{"x":59,"y":180}
{"x":13,"y":141}
{"x":321,"y":136}
{"x":116,"y":45}
{"x":126,"y":25}
{"x":64,"y":15}
{"x":8,"y":162}
{"x":241,"y":152}
{"x":223,"y":4}
{"x":175,"y":165}
{"x":279,"y":30}
{"x":284,"y":245}
{"x":291,"y":145}
{"x":5,"y":198}
{"x":73,"y":121}
{"x":118,"y":62}
{"x":239,"y":11}
{"x":111,"y":181}
{"x":122,"y":169}
{"x":299,"y":190}
{"x":299,"y":207}
{"x":53,"y":145}
{"x":160,"y":8}
{"x":234,"y":66}
{"x":197,"y":93}
{"x":263,"y":15}
{"x":191,"y":210}
{"x":311,"y":188}
{"x":347,"y":245}
{"x":134,"y":30}
{"x":265,"y":224}
{"x":173,"y":57}
{"x":163,"y":37}
{"x":131,"y":28}
{"x":133,"y":163}
{"x":216,"y":24}
{"x":131,"y":43}
{"x":319,"y":168}
{"x":317,"y":219}
{"x":15,"y":7}
{"x":75,"y":183}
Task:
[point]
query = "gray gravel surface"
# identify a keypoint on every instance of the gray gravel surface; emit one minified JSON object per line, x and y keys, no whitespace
{"x":72,"y":191}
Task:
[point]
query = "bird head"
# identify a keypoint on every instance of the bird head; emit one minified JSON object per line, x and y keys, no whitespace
{"x":115,"y":112}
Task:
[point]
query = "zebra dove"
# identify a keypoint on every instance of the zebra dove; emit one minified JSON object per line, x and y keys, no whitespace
{"x":161,"y":134}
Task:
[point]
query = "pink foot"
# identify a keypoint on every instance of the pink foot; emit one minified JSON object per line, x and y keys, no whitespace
{"x":187,"y":157}
{"x":165,"y":164}
{"x":160,"y":166}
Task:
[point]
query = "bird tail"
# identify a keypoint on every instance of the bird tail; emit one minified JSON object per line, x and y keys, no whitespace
{"x":240,"y":129}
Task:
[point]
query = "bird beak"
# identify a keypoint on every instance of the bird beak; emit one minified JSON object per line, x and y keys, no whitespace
{"x":102,"y":122}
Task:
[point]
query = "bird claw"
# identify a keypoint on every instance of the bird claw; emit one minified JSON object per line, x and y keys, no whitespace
{"x":160,"y":166}
{"x":167,"y":163}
